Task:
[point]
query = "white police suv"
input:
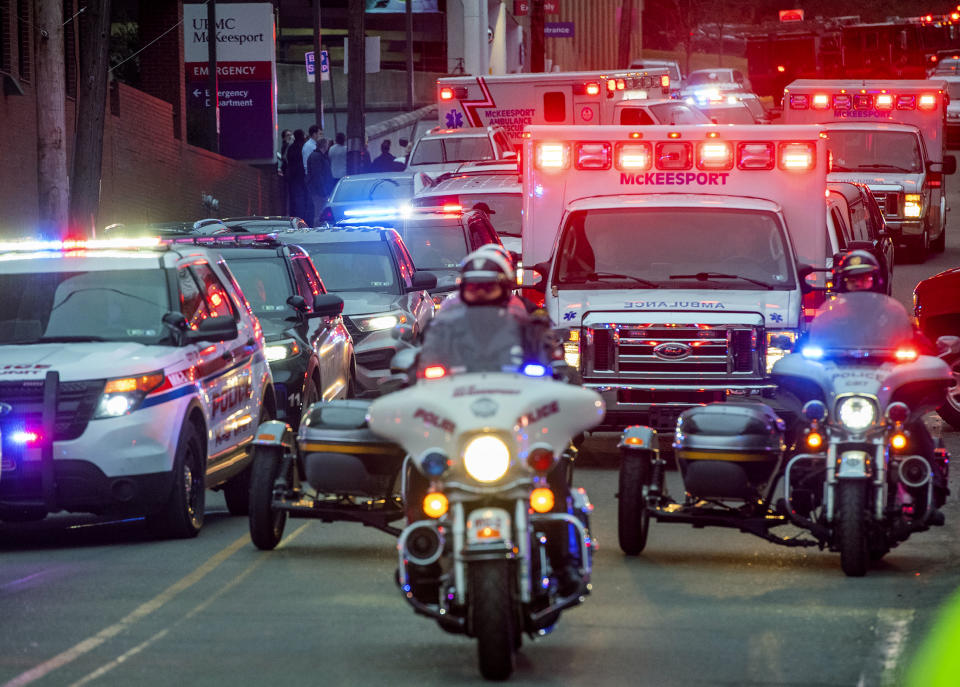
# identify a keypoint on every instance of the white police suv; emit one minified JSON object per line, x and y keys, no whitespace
{"x":133,"y":376}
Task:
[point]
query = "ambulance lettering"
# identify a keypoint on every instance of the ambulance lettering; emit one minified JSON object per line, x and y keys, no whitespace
{"x":675,"y":305}
{"x":862,"y":114}
{"x":674,"y":178}
{"x":512,"y":120}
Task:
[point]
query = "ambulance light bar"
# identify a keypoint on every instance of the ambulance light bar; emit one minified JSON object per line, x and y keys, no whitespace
{"x":665,"y":81}
{"x":80,"y":244}
{"x":713,"y":154}
{"x":446,"y":93}
{"x":862,"y":101}
{"x":593,"y":89}
{"x":451,"y":92}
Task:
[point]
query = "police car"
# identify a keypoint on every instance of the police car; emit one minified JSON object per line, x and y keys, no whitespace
{"x":135,"y":377}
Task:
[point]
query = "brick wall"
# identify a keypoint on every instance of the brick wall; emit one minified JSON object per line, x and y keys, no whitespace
{"x":148,"y":174}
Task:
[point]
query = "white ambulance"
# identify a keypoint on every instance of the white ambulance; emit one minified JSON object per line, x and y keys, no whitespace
{"x":514,"y":101}
{"x":674,"y":256}
{"x":890,"y":136}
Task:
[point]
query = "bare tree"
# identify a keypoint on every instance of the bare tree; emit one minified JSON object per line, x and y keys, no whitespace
{"x":52,"y":183}
{"x":91,"y":110}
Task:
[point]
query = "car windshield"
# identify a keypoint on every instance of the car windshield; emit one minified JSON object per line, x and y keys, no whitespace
{"x":355,"y":266}
{"x":675,"y":113}
{"x":435,"y":245}
{"x":862,"y":320}
{"x":107,"y":305}
{"x":505,"y":208}
{"x":434,"y":151}
{"x":730,"y":115}
{"x":372,"y":188}
{"x":709,"y":78}
{"x":879,"y":151}
{"x":266,"y":284}
{"x":716,"y":248}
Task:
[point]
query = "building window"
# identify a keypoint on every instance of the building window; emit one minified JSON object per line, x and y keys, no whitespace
{"x":24,"y":53}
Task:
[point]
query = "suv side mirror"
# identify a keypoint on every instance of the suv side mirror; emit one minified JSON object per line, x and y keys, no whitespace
{"x":859,"y":245}
{"x":948,"y":166}
{"x":214,"y":329}
{"x":423,"y":281}
{"x":807,"y":275}
{"x":326,"y":305}
{"x":298,"y":303}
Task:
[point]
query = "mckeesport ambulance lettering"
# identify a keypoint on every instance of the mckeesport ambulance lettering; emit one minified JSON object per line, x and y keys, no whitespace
{"x":675,"y":178}
{"x":866,"y":114}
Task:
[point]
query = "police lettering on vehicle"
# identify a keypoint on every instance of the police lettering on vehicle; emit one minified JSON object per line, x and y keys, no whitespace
{"x":674,"y":178}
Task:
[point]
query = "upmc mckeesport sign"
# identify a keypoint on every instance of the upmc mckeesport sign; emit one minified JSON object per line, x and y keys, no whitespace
{"x":246,"y":69}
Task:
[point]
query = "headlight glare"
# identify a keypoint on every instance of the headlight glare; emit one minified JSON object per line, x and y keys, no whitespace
{"x":486,"y":458}
{"x":376,"y":323}
{"x":125,"y":394}
{"x":912,"y":205}
{"x":856,"y":413}
{"x":281,"y":350}
{"x":779,"y":344}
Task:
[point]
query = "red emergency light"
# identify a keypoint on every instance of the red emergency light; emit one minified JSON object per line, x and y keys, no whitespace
{"x":674,"y":155}
{"x":634,"y":156}
{"x":446,"y":93}
{"x":821,"y":101}
{"x":552,"y":156}
{"x":799,"y":102}
{"x":593,"y":89}
{"x":593,"y":155}
{"x":797,"y":157}
{"x":761,"y":155}
{"x":665,"y":81}
{"x":927,"y":101}
{"x":884,"y":101}
{"x":842,"y":101}
{"x":612,"y":85}
{"x":621,"y":84}
{"x":906,"y":102}
{"x":714,"y":155}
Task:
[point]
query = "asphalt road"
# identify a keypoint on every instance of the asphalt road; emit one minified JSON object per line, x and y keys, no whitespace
{"x":85,"y":601}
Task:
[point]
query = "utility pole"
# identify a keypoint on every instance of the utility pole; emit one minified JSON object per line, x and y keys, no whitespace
{"x":213,"y":100}
{"x":317,"y":80}
{"x":410,"y":84}
{"x":537,"y":48}
{"x":356,"y":85}
{"x":53,"y":186}
{"x":91,"y":109}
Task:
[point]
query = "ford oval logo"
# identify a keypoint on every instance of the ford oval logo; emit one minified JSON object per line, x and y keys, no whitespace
{"x":672,"y":350}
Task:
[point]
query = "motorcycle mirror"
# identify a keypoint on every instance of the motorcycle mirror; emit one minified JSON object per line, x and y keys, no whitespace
{"x":948,"y":345}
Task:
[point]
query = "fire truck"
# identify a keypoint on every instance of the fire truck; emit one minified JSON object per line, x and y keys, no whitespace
{"x":888,"y":135}
{"x":673,"y":257}
{"x":514,"y":101}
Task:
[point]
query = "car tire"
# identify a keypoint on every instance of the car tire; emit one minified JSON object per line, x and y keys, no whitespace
{"x":311,"y":394}
{"x":181,"y":516}
{"x":950,"y":411}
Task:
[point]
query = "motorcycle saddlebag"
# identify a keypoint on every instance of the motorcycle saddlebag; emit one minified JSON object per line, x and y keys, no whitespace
{"x":340,"y":455}
{"x":728,"y":450}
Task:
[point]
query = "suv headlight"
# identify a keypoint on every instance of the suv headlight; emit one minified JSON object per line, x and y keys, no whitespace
{"x":856,"y":413}
{"x":486,"y":458}
{"x":375,"y":323}
{"x":913,"y":205}
{"x":125,"y":394}
{"x":780,"y":342}
{"x":281,"y":350}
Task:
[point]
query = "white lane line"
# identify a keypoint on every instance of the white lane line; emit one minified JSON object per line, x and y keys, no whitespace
{"x":893,"y":630}
{"x":141,"y":612}
{"x":107,"y":667}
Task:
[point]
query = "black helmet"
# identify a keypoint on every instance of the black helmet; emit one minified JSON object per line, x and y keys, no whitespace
{"x":486,"y":278}
{"x":857,"y":270}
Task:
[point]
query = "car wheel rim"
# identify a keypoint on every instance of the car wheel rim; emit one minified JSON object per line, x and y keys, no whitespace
{"x":191,"y":491}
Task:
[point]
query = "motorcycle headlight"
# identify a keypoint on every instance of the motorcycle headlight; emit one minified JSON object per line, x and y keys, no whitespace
{"x":125,"y":394}
{"x":486,"y":458}
{"x":281,"y":350}
{"x":374,"y":323}
{"x":856,"y":413}
{"x":780,"y":342}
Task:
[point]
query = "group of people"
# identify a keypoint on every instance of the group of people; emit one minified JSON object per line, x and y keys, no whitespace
{"x":311,"y":165}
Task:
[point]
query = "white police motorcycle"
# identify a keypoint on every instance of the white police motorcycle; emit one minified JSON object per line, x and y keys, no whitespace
{"x":478,"y":560}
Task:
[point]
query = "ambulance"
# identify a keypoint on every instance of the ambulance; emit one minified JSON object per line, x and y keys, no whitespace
{"x":672,"y":258}
{"x":889,"y":135}
{"x":514,"y":101}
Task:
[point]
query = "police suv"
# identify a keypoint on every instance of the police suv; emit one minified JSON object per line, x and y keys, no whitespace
{"x":134,"y":376}
{"x":674,"y":256}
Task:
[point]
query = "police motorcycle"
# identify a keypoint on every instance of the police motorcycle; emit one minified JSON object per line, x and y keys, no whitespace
{"x":857,"y":471}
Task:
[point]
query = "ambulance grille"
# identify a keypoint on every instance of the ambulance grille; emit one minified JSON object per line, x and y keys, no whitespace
{"x":888,"y":202}
{"x":76,"y":402}
{"x":687,"y":352}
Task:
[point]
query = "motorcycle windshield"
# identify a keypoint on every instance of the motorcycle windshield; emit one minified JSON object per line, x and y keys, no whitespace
{"x":859,"y":322}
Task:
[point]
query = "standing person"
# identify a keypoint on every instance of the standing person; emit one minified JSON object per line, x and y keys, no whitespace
{"x":314,"y":135}
{"x":338,"y":157}
{"x":385,"y":162}
{"x":286,"y":138}
{"x":318,"y":179}
{"x":296,"y":177}
{"x":365,"y":156}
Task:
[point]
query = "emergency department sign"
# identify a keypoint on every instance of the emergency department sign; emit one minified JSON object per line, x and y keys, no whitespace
{"x":246,"y":75}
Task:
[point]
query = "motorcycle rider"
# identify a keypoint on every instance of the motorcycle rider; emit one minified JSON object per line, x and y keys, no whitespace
{"x":486,"y":328}
{"x":859,"y":272}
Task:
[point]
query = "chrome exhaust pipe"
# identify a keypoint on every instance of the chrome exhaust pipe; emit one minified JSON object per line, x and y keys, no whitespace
{"x":422,"y":543}
{"x":914,"y":472}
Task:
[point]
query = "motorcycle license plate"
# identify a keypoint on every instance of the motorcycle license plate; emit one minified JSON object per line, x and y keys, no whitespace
{"x":665,"y":417}
{"x":488,"y":526}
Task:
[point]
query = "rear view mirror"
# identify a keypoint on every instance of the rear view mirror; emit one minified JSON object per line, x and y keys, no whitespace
{"x":214,"y":329}
{"x":423,"y":281}
{"x":858,"y":245}
{"x":948,"y":166}
{"x":298,"y":303}
{"x":326,"y":305}
{"x":809,"y":282}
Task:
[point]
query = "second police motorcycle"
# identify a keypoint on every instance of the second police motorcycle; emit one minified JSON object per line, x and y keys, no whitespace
{"x":856,"y":469}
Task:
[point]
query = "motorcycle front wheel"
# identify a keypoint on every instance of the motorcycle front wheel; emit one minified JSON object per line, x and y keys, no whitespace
{"x":850,"y":529}
{"x":633,"y":518}
{"x":266,"y":522}
{"x":493,"y":617}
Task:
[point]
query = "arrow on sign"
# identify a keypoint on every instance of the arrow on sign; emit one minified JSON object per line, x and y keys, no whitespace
{"x":196,"y":92}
